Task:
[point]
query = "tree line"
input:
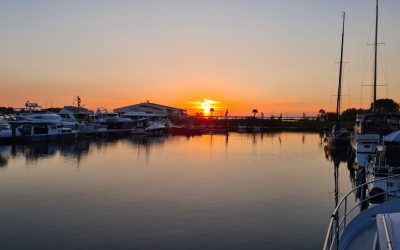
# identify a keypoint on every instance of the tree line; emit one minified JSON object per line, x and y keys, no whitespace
{"x":349,"y":115}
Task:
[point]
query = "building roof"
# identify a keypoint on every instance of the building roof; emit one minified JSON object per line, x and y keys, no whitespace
{"x":153,"y":105}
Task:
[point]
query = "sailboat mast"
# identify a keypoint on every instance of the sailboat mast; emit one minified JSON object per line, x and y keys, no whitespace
{"x":340,"y":73}
{"x":376,"y":56}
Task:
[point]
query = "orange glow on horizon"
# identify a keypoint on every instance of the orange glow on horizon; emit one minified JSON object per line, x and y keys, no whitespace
{"x":205,"y":107}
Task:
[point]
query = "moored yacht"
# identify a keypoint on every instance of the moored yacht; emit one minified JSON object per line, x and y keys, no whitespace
{"x":5,"y":130}
{"x":385,"y":163}
{"x":112,"y":121}
{"x":35,"y":131}
{"x":186,"y":130}
{"x":147,"y":127}
{"x":79,"y":118}
{"x":368,"y":134}
{"x":372,"y":127}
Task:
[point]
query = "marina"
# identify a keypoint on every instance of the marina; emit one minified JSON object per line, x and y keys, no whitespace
{"x":199,"y":125}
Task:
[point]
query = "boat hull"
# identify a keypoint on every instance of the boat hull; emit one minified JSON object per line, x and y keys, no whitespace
{"x":186,"y":131}
{"x":336,"y":143}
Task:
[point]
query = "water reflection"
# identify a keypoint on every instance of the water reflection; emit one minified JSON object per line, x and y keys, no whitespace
{"x":5,"y":152}
{"x":227,"y":191}
{"x":337,"y":157}
{"x":76,"y":151}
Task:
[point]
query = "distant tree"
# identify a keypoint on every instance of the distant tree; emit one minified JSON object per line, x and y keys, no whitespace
{"x":385,"y":106}
{"x":6,"y":110}
{"x":321,"y":112}
{"x":331,"y":116}
{"x":254,"y":111}
{"x":211,"y":111}
{"x":349,"y":115}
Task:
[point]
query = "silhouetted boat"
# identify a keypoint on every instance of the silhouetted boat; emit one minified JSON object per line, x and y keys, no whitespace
{"x":185,"y":130}
{"x":338,"y":137}
{"x":370,"y":128}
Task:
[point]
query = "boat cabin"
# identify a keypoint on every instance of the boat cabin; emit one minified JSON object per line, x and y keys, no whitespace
{"x":383,"y":123}
{"x":75,"y":113}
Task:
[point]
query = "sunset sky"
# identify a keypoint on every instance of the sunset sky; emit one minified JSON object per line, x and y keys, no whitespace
{"x":278,"y":56}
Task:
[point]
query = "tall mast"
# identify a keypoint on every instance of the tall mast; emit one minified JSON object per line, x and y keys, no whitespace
{"x":340,"y":74}
{"x":376,"y":56}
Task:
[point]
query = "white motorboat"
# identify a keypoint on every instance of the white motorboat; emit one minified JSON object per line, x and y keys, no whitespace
{"x":147,"y":127}
{"x":111,"y":120}
{"x":29,"y":132}
{"x":5,"y":130}
{"x":45,"y":117}
{"x":81,"y":119}
{"x":368,"y":134}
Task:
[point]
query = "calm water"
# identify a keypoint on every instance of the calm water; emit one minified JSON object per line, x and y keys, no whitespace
{"x":262,"y":191}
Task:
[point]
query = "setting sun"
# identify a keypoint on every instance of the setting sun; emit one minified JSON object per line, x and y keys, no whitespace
{"x":205,"y":106}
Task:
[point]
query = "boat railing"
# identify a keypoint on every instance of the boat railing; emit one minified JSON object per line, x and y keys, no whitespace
{"x":349,"y":207}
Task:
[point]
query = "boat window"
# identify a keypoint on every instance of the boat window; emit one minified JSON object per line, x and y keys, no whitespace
{"x":40,"y":130}
{"x":394,"y":124}
{"x":26,"y":130}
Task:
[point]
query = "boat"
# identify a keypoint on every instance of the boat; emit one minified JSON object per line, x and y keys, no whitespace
{"x":147,"y":127}
{"x":5,"y":131}
{"x":79,"y":118}
{"x":368,"y":134}
{"x":186,"y":130}
{"x":386,"y":162}
{"x":242,"y":128}
{"x":352,"y":226}
{"x":45,"y":117}
{"x":257,"y":129}
{"x":35,"y":131}
{"x":215,"y":130}
{"x":338,"y":137}
{"x":370,"y":128}
{"x":112,"y":121}
{"x":102,"y":115}
{"x":372,"y":221}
